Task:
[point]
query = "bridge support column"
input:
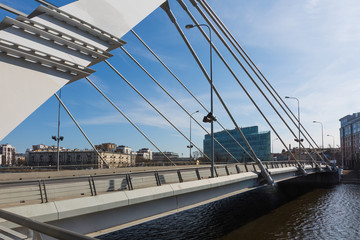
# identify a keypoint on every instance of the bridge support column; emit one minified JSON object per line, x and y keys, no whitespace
{"x":265,"y":173}
{"x":302,"y":170}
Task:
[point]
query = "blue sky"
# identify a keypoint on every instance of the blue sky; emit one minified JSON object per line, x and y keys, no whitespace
{"x":308,"y":49}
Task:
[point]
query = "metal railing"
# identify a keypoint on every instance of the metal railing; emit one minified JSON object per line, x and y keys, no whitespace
{"x":46,"y":190}
{"x":37,"y":227}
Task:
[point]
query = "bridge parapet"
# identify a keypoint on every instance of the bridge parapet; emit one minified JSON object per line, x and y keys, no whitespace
{"x":46,"y":190}
{"x":107,"y":196}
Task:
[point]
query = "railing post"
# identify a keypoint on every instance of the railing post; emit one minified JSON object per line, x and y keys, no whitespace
{"x":46,"y":198}
{"x":41,"y":195}
{"x":93,"y":184}
{"x":157,"y":178}
{"x":237,"y":168}
{"x":216,"y":173}
{"x":247,"y":170}
{"x":227,"y":170}
{"x":179,"y":176}
{"x":128,"y":181}
{"x":91,"y":189}
{"x":197,"y":174}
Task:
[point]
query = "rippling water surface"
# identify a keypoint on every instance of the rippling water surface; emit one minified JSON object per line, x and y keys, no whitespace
{"x":330,"y":213}
{"x":321,"y":214}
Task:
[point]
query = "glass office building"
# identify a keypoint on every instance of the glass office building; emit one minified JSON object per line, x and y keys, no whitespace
{"x":350,"y":139}
{"x":259,"y":141}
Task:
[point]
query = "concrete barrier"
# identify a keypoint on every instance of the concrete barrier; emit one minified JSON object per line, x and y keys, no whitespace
{"x":128,"y":207}
{"x":58,"y":210}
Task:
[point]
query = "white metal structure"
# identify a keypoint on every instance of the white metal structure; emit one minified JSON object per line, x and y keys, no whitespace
{"x":51,"y":47}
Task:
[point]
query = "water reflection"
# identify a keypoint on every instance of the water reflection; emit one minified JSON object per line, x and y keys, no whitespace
{"x":321,"y":214}
{"x":331,"y":213}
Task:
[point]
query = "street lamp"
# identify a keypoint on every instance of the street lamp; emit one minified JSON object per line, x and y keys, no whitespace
{"x":190,"y":145}
{"x":58,"y":139}
{"x":322,"y":133}
{"x":299,"y":139}
{"x":333,"y":144}
{"x":210,"y":117}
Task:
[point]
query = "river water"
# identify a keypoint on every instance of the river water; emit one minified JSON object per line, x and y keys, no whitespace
{"x":331,"y":213}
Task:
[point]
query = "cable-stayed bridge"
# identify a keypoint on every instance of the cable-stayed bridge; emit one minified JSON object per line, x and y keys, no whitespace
{"x":56,"y":46}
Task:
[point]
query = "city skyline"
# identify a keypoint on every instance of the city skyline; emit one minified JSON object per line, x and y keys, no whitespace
{"x":307,"y":49}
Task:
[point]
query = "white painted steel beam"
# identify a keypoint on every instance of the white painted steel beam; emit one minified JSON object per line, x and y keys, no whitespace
{"x":48,"y":51}
{"x":24,"y":87}
{"x":44,"y":59}
{"x":85,"y":48}
{"x":12,"y":10}
{"x":121,"y":15}
{"x":60,"y":15}
{"x":70,"y":30}
{"x":31,"y":78}
{"x":26,"y":35}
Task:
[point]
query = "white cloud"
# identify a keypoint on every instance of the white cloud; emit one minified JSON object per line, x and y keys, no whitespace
{"x":318,"y":39}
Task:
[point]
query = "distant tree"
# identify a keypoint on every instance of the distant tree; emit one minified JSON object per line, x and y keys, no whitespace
{"x":19,"y":162}
{"x":196,"y":155}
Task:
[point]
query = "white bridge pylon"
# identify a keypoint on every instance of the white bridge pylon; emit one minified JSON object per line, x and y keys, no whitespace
{"x":51,"y":47}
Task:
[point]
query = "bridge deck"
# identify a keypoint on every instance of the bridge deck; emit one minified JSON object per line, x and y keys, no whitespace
{"x":136,"y":196}
{"x":41,"y":187}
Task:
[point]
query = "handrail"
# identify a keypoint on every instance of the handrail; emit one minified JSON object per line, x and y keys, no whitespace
{"x":47,"y":229}
{"x":45,"y":189}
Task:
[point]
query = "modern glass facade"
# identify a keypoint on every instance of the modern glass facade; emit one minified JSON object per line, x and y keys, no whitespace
{"x":259,"y":141}
{"x":350,"y":139}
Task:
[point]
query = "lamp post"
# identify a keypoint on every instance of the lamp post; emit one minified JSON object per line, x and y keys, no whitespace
{"x":322,"y":133}
{"x":299,"y":139}
{"x":333,"y":144}
{"x":190,"y":144}
{"x":58,"y":139}
{"x":210,"y":117}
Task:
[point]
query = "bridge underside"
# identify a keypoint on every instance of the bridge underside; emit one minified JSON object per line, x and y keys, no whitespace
{"x":97,"y":215}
